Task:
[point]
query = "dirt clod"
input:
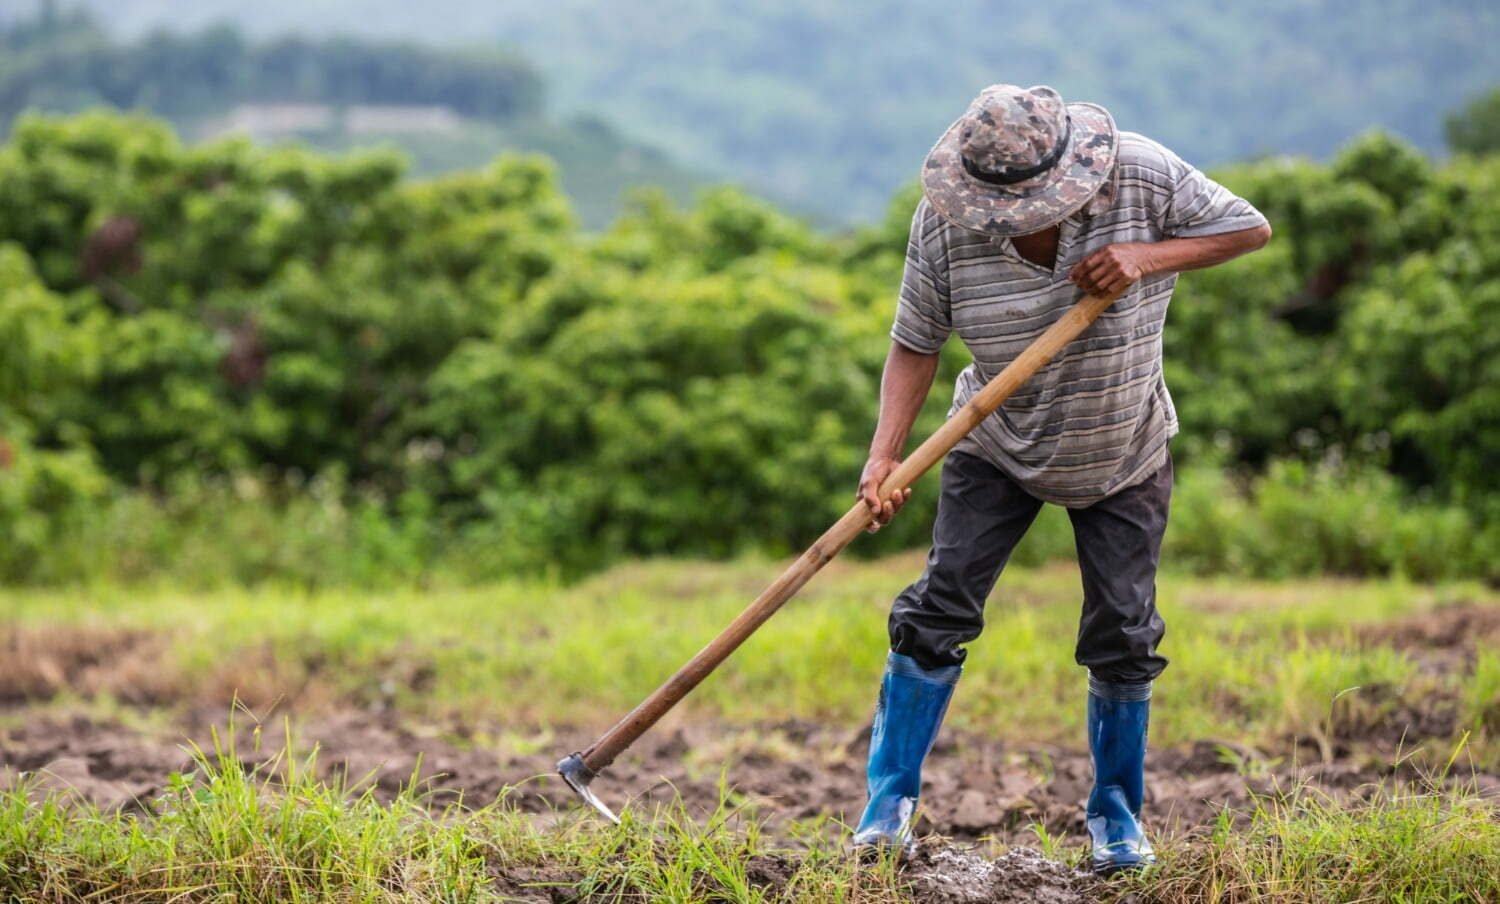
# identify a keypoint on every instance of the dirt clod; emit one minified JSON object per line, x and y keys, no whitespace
{"x":535,"y":884}
{"x":770,"y":872}
{"x":955,"y":875}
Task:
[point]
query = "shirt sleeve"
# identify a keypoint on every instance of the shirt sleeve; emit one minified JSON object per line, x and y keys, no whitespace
{"x":923,"y":319}
{"x":1199,"y":206}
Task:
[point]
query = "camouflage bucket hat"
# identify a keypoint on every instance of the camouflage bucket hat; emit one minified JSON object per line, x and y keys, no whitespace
{"x":1019,"y":160}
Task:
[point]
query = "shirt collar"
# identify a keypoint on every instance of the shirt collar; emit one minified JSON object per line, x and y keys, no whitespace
{"x":1067,"y":228}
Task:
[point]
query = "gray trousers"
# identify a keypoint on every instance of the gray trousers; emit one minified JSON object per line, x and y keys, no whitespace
{"x":982,"y":515}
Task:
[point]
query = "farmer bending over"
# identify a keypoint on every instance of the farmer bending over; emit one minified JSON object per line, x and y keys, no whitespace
{"x":1028,"y":202}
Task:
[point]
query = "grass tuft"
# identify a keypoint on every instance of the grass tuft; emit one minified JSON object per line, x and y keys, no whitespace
{"x":230,"y":831}
{"x":1411,"y":843}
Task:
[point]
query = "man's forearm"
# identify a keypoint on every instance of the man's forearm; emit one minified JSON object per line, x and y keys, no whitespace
{"x":1177,"y":255}
{"x":1114,"y":267}
{"x":903,"y":388}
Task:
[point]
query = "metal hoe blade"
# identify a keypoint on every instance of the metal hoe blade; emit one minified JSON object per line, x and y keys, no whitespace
{"x":578,"y":775}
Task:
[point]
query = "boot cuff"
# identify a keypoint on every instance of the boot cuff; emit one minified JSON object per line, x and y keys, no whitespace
{"x":908,"y":667}
{"x":1119,"y":691}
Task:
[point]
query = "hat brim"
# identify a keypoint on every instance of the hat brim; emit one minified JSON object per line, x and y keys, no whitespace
{"x":1033,"y":205}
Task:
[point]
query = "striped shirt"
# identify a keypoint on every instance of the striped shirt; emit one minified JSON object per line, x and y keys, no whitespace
{"x":1098,"y":417}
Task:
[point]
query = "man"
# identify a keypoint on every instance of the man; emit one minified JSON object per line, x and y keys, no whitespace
{"x":1029,"y":202}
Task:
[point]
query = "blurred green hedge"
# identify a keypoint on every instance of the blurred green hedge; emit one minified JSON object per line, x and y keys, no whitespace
{"x":229,"y":363}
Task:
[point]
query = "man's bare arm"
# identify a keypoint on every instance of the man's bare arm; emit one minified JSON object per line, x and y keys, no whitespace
{"x":1114,"y":267}
{"x":903,"y":388}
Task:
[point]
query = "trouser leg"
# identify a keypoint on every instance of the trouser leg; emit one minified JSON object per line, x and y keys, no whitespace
{"x":1119,"y":546}
{"x":982,"y":515}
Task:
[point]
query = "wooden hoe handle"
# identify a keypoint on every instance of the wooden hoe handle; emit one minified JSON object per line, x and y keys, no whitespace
{"x":1034,"y":358}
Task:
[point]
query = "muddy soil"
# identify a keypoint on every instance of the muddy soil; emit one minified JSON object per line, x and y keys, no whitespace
{"x":977,"y":788}
{"x":784,"y":772}
{"x":951,"y":874}
{"x":1444,"y":640}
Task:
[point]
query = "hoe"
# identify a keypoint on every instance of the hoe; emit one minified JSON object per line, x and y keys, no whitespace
{"x":580,"y":769}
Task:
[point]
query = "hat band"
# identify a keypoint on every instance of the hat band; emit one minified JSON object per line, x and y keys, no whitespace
{"x":1012,"y":176}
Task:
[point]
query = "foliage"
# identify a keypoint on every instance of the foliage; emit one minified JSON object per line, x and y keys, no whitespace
{"x":1300,"y":519}
{"x":319,"y":357}
{"x":1423,"y":360}
{"x":1475,"y":129}
{"x":47,"y":362}
{"x":1358,"y":332}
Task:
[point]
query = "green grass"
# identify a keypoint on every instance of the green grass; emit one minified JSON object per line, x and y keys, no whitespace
{"x":1412,"y":844}
{"x":226,"y":833}
{"x":223,"y":832}
{"x":1256,"y":663}
{"x":1252,"y":664}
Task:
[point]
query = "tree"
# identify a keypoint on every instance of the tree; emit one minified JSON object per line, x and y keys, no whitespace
{"x":1476,"y":128}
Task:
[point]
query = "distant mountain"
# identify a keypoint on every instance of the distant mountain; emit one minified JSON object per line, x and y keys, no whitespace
{"x":830,"y":104}
{"x":448,"y":108}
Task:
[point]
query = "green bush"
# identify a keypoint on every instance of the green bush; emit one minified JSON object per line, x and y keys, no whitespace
{"x":1299,"y":519}
{"x":225,"y":363}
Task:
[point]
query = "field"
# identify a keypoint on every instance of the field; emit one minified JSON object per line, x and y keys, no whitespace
{"x":337,"y":502}
{"x":1312,"y":741}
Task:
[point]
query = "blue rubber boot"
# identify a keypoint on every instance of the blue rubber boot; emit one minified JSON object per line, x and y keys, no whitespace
{"x":1118,"y":714}
{"x":912,"y":703}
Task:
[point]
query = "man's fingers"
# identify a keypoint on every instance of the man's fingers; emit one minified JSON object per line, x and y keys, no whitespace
{"x":1095,"y":273}
{"x":1102,"y":269}
{"x":1105,"y":271}
{"x":1080,"y":272}
{"x":1105,"y":282}
{"x":881,"y":513}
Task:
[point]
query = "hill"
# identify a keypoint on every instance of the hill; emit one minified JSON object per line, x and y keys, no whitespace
{"x":830,"y":106}
{"x":447,"y":108}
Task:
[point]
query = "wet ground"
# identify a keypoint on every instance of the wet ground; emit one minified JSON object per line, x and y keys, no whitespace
{"x":977,"y":788}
